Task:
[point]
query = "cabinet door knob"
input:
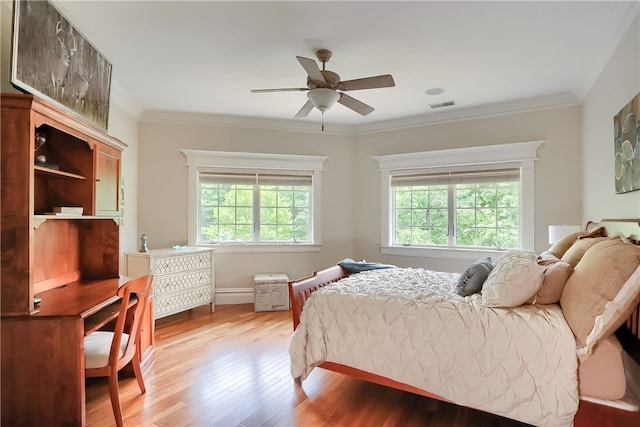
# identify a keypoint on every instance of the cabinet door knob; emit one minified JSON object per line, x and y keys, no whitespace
{"x":98,"y":180}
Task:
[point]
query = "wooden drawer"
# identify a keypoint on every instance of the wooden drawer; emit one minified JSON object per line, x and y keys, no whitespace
{"x":163,"y":285}
{"x":167,"y":304}
{"x":178,"y":263}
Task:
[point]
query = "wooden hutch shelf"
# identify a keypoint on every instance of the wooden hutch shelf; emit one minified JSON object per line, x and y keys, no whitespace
{"x":55,"y":172}
{"x":72,"y":263}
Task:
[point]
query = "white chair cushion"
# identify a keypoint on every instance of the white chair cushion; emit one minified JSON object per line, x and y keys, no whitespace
{"x":97,"y":346}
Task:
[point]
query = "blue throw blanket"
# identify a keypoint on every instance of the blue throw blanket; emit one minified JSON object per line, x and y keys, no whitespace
{"x":358,"y":266}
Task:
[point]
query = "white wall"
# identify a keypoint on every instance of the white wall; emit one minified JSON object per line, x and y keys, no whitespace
{"x":6,"y":18}
{"x":124,"y":126}
{"x":557,"y":172}
{"x":162,"y":203}
{"x":616,"y":85}
{"x":351,"y":199}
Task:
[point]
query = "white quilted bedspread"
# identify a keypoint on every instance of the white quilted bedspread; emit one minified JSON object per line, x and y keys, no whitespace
{"x":409,"y":325}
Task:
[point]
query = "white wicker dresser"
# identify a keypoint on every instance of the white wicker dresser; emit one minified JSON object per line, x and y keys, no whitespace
{"x":182,"y":278}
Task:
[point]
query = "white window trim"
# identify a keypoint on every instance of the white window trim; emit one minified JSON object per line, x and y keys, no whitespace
{"x":226,"y":160}
{"x":520,"y":153}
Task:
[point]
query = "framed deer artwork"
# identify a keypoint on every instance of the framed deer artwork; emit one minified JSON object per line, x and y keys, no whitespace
{"x":53,"y":60}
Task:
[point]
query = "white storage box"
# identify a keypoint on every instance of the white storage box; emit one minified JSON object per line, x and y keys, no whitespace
{"x":271,"y":292}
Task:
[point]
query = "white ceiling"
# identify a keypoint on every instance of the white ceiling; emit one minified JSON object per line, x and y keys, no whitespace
{"x":206,"y":56}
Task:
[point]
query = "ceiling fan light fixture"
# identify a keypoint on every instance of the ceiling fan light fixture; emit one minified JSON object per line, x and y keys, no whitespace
{"x":323,"y":98}
{"x":324,"y":87}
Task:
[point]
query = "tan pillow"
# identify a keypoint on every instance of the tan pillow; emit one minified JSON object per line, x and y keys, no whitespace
{"x":561,"y":246}
{"x":555,"y":277}
{"x":516,"y":276}
{"x":602,"y":291}
{"x":575,"y":253}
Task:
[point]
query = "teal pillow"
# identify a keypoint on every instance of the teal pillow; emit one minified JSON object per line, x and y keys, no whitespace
{"x":473,"y":277}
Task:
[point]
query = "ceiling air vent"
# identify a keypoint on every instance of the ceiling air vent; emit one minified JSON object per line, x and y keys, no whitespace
{"x":443,"y":104}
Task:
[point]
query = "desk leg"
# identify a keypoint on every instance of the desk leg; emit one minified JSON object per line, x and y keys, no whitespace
{"x":147,"y":336}
{"x":146,"y":341}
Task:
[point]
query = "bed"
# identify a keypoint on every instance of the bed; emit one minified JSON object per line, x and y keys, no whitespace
{"x":523,"y":347}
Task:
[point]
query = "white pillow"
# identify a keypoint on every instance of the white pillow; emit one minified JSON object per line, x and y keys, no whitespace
{"x":516,"y":277}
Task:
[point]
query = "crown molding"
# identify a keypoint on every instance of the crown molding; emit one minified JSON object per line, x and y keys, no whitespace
{"x":626,"y":13}
{"x":205,"y":119}
{"x":520,"y":106}
{"x":490,"y":110}
{"x":120,"y":97}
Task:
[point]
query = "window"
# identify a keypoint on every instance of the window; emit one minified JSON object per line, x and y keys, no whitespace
{"x":254,"y":208}
{"x":457,"y":209}
{"x":246,"y":202}
{"x":449,"y":203}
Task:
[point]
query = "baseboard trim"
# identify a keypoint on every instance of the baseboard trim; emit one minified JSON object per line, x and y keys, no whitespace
{"x":234,"y":296}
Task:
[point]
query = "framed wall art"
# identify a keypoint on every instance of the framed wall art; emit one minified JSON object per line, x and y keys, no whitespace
{"x":52,"y":59}
{"x":626,"y":130}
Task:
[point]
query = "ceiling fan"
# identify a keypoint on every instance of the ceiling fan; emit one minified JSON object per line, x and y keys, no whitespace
{"x":325,"y":88}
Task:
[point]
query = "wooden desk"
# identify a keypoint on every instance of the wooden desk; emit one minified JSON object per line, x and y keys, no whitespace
{"x":101,"y":318}
{"x":43,"y":377}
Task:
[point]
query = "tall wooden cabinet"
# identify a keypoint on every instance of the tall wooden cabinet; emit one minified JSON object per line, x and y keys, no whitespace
{"x":71,"y":263}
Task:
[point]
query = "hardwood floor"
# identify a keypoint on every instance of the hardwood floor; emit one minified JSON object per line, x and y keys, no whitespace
{"x":231,"y":368}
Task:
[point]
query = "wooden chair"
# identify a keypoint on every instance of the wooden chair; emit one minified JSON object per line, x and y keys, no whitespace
{"x":106,"y":352}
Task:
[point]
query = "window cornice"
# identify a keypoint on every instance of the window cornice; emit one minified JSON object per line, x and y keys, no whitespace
{"x":490,"y":154}
{"x":238,"y":160}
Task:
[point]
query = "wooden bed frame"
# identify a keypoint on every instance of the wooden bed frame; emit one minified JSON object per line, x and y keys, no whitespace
{"x":589,"y":414}
{"x":300,"y":290}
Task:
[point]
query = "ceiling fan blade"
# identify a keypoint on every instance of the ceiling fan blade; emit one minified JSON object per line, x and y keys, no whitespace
{"x":286,"y":89}
{"x":311,"y":67}
{"x":368,"y":83}
{"x":357,"y":106}
{"x":305,"y":110}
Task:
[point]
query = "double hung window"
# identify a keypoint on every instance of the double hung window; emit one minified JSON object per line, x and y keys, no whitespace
{"x":254,"y":208}
{"x":474,"y":209}
{"x":467,"y":199}
{"x":250,"y":202}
